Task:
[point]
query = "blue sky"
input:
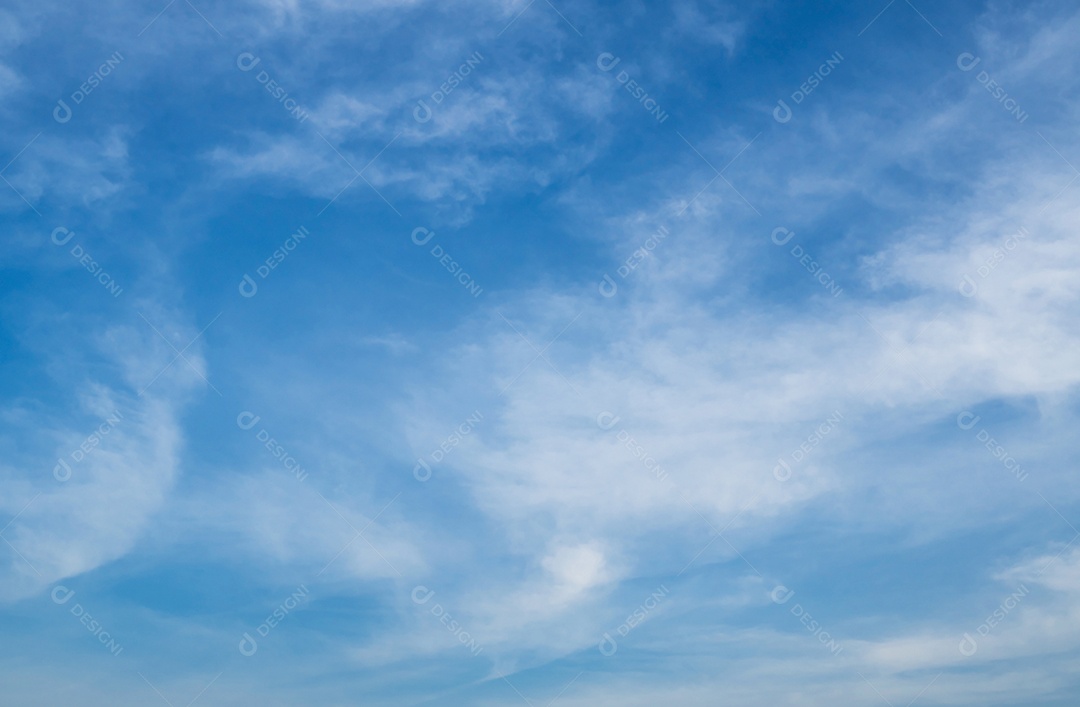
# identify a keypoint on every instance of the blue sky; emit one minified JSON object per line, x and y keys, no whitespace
{"x":508,"y":352}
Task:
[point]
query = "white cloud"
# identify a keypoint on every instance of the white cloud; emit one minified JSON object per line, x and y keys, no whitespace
{"x":71,"y":170}
{"x":116,"y":472}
